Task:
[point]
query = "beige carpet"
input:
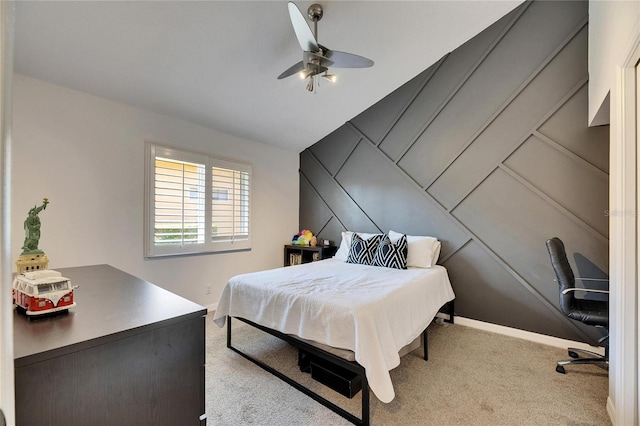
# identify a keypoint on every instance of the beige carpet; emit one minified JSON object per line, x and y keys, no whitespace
{"x":472,"y":378}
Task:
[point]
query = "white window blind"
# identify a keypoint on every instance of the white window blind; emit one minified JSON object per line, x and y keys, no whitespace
{"x":230,"y":213}
{"x":195,"y":203}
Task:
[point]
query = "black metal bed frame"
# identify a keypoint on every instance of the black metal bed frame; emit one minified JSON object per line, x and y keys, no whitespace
{"x":352,"y":366}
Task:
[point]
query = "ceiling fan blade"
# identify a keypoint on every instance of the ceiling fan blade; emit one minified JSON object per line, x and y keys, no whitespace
{"x":303,"y":32}
{"x":293,"y":69}
{"x":348,"y":60}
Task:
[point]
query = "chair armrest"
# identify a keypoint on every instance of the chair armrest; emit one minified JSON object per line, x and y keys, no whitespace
{"x":593,"y":279}
{"x":589,"y":290}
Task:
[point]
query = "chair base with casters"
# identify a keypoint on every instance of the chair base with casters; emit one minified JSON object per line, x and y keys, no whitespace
{"x":591,"y":358}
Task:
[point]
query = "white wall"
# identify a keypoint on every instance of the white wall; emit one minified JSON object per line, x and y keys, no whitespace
{"x":614,"y":34}
{"x":86,"y":154}
{"x":610,"y":23}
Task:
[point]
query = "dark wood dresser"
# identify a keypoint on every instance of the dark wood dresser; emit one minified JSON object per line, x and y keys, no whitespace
{"x":129,"y":353}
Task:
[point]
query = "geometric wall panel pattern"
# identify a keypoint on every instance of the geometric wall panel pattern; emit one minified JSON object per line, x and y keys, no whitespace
{"x":487,"y":150}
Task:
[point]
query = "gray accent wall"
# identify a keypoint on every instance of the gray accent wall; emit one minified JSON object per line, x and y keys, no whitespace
{"x":489,"y":151}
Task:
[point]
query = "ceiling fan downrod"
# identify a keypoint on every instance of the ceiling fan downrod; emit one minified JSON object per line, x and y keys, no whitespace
{"x":315,"y":13}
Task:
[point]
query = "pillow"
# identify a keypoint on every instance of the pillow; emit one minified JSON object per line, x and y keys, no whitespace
{"x":391,"y":255}
{"x":362,"y":251}
{"x":436,"y":253}
{"x":345,"y":244}
{"x":422,"y":251}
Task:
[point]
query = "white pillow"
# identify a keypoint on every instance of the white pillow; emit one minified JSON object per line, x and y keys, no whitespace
{"x":436,"y":253}
{"x":422,"y":251}
{"x":345,"y":244}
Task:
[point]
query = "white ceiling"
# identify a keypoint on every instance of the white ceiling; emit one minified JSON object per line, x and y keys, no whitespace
{"x":215,"y":63}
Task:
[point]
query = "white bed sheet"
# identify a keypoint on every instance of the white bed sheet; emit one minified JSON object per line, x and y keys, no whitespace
{"x":372,"y":311}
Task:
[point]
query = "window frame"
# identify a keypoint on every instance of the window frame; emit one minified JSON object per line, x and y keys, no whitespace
{"x":151,"y":249}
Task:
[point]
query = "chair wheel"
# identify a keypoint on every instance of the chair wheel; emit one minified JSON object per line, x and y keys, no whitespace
{"x":573,"y":354}
{"x":560,"y":369}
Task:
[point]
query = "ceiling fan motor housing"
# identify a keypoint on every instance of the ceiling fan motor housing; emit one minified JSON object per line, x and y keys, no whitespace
{"x":315,"y":12}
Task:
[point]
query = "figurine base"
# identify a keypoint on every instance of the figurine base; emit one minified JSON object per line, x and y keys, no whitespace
{"x":32,"y":262}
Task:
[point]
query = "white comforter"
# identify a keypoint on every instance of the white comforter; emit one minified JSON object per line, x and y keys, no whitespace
{"x":372,"y":311}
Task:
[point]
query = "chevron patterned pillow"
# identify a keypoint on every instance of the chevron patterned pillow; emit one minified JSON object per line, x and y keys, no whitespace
{"x":362,"y":251}
{"x":391,"y":255}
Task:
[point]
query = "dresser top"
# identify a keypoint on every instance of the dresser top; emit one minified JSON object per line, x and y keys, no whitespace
{"x":110,"y":305}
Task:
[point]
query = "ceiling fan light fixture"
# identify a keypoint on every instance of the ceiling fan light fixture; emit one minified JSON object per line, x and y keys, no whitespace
{"x":330,"y":77}
{"x":309,"y":71}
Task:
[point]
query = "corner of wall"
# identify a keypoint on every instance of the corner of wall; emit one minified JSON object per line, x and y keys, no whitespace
{"x":600,"y":116}
{"x":610,"y":23}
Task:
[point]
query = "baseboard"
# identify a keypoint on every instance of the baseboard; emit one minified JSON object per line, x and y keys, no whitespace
{"x":611,"y":410}
{"x":211,"y":308}
{"x":527,"y":335}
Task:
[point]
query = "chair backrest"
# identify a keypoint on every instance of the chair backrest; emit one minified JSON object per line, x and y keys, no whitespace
{"x":564,"y":273}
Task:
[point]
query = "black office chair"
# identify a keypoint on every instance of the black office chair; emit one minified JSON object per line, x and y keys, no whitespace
{"x":591,"y":312}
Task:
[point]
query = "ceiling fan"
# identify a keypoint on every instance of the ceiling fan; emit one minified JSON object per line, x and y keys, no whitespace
{"x":316,"y":58}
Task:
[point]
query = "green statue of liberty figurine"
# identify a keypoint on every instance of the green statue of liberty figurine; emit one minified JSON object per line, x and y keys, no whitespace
{"x":32,"y":229}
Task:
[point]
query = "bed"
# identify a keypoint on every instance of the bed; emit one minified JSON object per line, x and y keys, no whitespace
{"x":370,"y":311}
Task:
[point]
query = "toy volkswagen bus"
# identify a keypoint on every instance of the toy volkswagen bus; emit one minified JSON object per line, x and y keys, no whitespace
{"x":42,"y":292}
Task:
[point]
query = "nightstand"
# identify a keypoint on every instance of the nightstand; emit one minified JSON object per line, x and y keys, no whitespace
{"x":295,"y":255}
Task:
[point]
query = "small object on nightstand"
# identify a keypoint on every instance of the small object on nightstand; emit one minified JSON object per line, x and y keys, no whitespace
{"x":326,"y":243}
{"x":303,"y":238}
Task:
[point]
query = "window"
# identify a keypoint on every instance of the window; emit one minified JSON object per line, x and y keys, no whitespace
{"x":195,"y":203}
{"x":219,"y":194}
